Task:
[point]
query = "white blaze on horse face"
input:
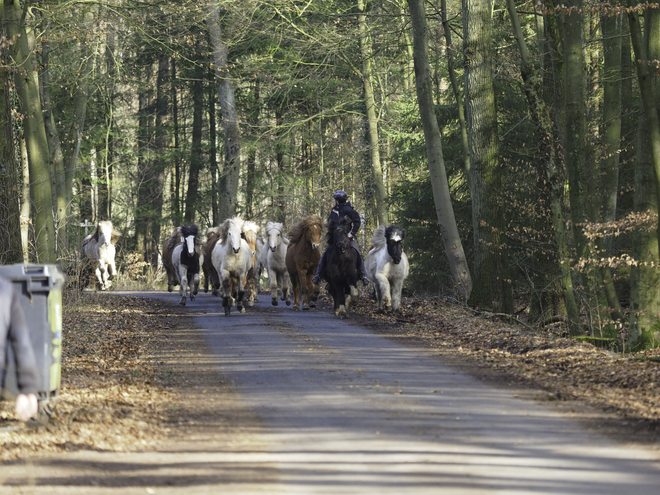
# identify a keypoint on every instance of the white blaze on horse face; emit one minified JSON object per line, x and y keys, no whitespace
{"x":190,"y":244}
{"x":234,"y":235}
{"x":396,"y":237}
{"x":314,"y":229}
{"x":273,"y":239}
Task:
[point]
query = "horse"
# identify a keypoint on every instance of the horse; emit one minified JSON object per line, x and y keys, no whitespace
{"x":99,"y":249}
{"x":341,"y":267}
{"x":302,"y":258}
{"x":250,"y":232}
{"x":273,"y":258}
{"x":387,"y":266}
{"x":232,"y":258}
{"x":186,"y":260}
{"x":211,"y":276}
{"x":168,"y":246}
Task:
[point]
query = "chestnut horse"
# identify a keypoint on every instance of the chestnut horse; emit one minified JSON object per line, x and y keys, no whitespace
{"x":211,"y":276}
{"x":302,"y":258}
{"x":250,"y":231}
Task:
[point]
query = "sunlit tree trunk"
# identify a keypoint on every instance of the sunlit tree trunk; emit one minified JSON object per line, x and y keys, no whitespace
{"x":492,"y":281}
{"x":453,"y":247}
{"x":372,"y":118}
{"x":232,"y":164}
{"x":27,"y":86}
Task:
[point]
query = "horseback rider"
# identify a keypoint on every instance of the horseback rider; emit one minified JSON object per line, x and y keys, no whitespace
{"x":342,"y":208}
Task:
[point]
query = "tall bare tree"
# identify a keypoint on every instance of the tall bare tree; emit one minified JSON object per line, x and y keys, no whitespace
{"x":436,"y":163}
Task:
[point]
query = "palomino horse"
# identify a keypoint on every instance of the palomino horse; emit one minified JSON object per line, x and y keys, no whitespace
{"x":211,"y":276}
{"x":273,"y":258}
{"x":387,"y":266}
{"x":302,"y":258}
{"x":186,"y":260}
{"x":341,"y":266}
{"x":99,"y":249}
{"x":250,"y":231}
{"x":232,"y":258}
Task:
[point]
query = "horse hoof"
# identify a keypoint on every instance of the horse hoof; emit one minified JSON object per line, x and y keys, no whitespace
{"x":250,"y":303}
{"x":182,"y":303}
{"x":169,"y":288}
{"x":296,"y":308}
{"x":274,"y":302}
{"x":243,"y":310}
{"x":288,"y":303}
{"x":312,"y":305}
{"x":305,"y":307}
{"x":227,"y":311}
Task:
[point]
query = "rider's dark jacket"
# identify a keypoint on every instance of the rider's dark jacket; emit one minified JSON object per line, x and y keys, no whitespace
{"x":343,"y":209}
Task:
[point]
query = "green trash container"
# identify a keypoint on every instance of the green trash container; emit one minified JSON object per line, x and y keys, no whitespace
{"x":40,"y":292}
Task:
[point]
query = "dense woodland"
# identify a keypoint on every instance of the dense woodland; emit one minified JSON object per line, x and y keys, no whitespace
{"x":517,"y":143}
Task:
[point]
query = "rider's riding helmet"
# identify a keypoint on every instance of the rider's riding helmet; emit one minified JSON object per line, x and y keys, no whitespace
{"x":340,"y":196}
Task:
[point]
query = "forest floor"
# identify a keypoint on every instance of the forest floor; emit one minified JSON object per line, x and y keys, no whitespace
{"x":118,"y":395}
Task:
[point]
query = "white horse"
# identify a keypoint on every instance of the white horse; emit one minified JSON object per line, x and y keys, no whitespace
{"x":99,"y":249}
{"x":232,"y":259}
{"x":186,"y":260}
{"x":387,"y":266}
{"x":274,"y":259}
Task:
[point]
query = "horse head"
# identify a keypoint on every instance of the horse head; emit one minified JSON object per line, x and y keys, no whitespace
{"x":338,"y":234}
{"x":103,"y":233}
{"x":313,"y":234}
{"x":234,"y":233}
{"x":191,"y":238}
{"x":395,"y":236}
{"x":275,"y":234}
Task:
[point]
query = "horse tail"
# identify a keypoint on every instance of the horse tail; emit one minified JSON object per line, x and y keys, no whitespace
{"x":174,"y":238}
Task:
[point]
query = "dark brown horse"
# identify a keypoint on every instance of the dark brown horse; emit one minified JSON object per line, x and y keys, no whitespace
{"x":302,"y":258}
{"x":168,"y":246}
{"x":210,"y":274}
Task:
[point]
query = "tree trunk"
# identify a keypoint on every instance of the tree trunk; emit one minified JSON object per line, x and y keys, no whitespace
{"x":10,"y":218}
{"x":192,"y":198}
{"x":213,"y":156}
{"x":457,"y":92}
{"x":443,"y":206}
{"x":492,"y":287}
{"x":27,"y":86}
{"x":366,"y":53}
{"x":645,"y":298}
{"x":232,"y":166}
{"x":162,"y":139}
{"x":612,"y":32}
{"x":552,"y":186}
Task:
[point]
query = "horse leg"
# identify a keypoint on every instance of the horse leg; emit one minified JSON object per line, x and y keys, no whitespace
{"x":226,"y":296}
{"x":397,"y":287}
{"x":239,"y":299}
{"x":183,"y":285}
{"x":272,"y":280}
{"x":99,"y":277}
{"x":306,"y":282}
{"x":383,"y":292}
{"x":112,"y":267}
{"x":295,"y":282}
{"x":286,"y":288}
{"x":194,"y":287}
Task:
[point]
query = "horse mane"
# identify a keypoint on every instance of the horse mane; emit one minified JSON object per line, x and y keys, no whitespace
{"x":250,"y":230}
{"x":333,"y":225}
{"x":298,"y":230}
{"x":270,"y":226}
{"x":188,"y":230}
{"x":223,"y":229}
{"x":175,"y":238}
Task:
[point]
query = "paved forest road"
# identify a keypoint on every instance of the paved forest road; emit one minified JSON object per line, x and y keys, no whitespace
{"x":313,"y":405}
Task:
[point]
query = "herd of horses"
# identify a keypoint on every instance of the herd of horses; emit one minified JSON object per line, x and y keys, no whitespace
{"x":234,"y":257}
